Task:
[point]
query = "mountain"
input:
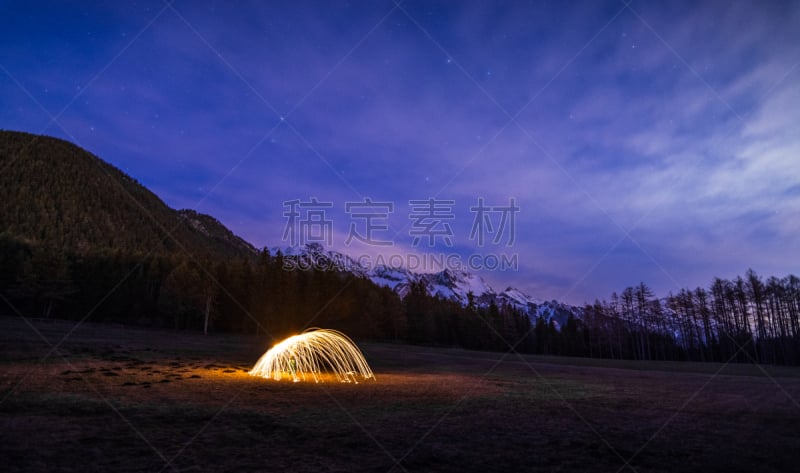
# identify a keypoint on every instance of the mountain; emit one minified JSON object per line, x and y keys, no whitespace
{"x":54,"y":194}
{"x":447,"y":284}
{"x":216,"y":231}
{"x":457,"y":285}
{"x":315,"y":256}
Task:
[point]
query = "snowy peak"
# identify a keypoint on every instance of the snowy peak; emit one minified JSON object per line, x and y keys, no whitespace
{"x":456,"y":285}
{"x":393,"y":278}
{"x":516,"y":297}
{"x":315,"y":256}
{"x":448,"y":284}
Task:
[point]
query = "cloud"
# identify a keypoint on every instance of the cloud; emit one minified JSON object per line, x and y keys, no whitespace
{"x":679,"y":130}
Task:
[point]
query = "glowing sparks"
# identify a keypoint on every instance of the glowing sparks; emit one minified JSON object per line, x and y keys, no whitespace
{"x":311,"y":354}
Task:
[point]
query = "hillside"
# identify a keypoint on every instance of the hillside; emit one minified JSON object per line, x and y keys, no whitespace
{"x":56,"y":195}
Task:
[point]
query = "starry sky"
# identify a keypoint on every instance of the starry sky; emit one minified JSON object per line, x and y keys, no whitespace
{"x":649,"y":141}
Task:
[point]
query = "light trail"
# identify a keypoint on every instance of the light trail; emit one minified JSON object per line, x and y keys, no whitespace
{"x":311,"y":354}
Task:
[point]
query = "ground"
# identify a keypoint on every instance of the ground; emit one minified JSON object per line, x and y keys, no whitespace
{"x":112,"y":398}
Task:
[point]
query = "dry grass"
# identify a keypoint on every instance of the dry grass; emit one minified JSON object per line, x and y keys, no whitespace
{"x":117,"y":399}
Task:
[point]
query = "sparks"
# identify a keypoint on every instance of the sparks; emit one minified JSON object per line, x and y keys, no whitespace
{"x":307,"y":356}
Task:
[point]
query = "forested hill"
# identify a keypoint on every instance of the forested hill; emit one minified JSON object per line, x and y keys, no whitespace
{"x":80,"y":239}
{"x":57,"y":195}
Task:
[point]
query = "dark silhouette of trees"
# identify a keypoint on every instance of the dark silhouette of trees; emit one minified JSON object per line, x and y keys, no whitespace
{"x":745,"y":320}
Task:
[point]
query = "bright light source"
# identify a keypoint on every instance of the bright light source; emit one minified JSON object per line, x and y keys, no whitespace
{"x":311,"y":354}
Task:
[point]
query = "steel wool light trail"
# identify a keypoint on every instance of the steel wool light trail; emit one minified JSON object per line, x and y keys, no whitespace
{"x":309,"y":355}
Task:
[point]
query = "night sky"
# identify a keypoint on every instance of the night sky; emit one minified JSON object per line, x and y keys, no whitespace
{"x":653,"y":142}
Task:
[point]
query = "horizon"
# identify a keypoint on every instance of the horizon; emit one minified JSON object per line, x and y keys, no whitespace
{"x":638,"y":142}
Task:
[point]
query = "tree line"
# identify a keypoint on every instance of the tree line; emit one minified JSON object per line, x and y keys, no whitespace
{"x":250,"y":296}
{"x":747,"y":319}
{"x":743,"y":320}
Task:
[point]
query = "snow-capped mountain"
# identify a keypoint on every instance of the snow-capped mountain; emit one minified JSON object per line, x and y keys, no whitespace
{"x":315,"y":256}
{"x":448,"y":284}
{"x":456,"y":285}
{"x":396,"y":279}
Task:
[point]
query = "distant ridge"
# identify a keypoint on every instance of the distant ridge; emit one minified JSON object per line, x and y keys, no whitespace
{"x":447,"y":284}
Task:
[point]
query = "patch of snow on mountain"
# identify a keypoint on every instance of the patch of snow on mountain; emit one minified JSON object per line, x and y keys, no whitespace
{"x":314,"y":255}
{"x":390,"y":277}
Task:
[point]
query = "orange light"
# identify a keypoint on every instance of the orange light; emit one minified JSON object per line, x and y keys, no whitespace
{"x":310,"y":355}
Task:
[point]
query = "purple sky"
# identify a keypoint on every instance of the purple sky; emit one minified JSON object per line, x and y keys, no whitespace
{"x":655,"y":143}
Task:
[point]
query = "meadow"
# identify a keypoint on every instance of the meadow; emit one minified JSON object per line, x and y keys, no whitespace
{"x":115,"y":398}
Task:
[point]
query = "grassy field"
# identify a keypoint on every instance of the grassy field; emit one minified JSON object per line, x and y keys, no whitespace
{"x":112,"y":398}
